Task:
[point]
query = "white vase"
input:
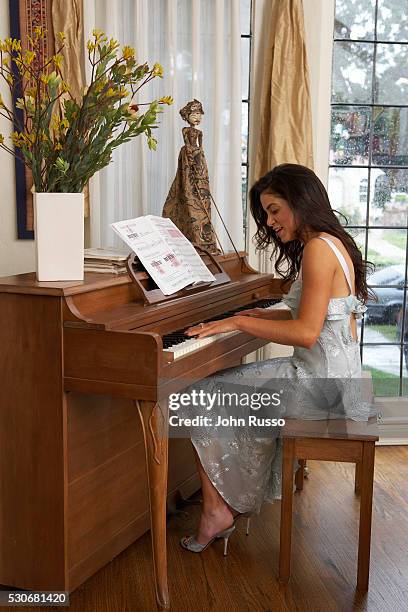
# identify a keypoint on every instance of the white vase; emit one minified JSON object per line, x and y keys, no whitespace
{"x":59,"y":236}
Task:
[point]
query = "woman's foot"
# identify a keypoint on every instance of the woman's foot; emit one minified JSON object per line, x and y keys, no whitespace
{"x":212,"y":521}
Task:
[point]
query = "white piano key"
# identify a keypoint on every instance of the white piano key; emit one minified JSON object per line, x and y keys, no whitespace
{"x":193,"y":344}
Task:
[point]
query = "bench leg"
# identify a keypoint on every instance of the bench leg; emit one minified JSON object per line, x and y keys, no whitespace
{"x":366,"y":502}
{"x":357,"y":478}
{"x":286,"y":509}
{"x":300,"y":474}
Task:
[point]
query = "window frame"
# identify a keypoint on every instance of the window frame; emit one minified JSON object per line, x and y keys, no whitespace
{"x":366,"y":227}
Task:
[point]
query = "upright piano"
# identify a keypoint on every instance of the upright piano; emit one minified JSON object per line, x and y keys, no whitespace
{"x":86,"y":367}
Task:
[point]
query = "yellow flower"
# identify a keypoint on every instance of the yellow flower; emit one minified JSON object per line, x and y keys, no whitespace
{"x":58,"y":146}
{"x":157,"y":70}
{"x":29,"y":57}
{"x":98,"y":34}
{"x":110,"y":92}
{"x":113,"y":44}
{"x":91,"y":46}
{"x":17,"y":139}
{"x":39,"y":31}
{"x":61,"y":36}
{"x":128,"y":53}
{"x":57,"y":60}
{"x":166,"y":100}
{"x":9,"y":79}
{"x":1,"y":102}
{"x":64,"y":86}
{"x":64,"y":124}
{"x":1,"y":139}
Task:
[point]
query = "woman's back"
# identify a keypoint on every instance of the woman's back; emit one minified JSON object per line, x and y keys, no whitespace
{"x":336,"y":353}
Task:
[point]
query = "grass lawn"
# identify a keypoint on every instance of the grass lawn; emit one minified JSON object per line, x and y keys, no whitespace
{"x":397,"y":238}
{"x":381,"y":261}
{"x":386,"y":385}
{"x":389,"y":331}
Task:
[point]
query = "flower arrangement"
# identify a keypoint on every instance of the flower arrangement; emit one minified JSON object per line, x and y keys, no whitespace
{"x":64,"y":141}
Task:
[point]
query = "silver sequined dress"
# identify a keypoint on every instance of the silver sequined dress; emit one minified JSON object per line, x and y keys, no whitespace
{"x":246,"y":469}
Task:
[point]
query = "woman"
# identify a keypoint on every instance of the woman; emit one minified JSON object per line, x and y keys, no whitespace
{"x":293,"y":214}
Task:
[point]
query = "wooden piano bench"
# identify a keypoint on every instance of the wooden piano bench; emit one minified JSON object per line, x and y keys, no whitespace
{"x":331,"y":440}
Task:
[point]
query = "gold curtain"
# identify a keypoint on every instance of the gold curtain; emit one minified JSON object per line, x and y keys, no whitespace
{"x":281,"y":116}
{"x":285,"y":125}
{"x":67,"y":17}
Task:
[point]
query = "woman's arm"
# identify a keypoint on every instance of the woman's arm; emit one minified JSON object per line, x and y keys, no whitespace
{"x":275,"y":314}
{"x":318,"y":268}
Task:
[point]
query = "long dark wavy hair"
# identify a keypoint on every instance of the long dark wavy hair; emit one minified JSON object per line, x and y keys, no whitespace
{"x":308,"y":199}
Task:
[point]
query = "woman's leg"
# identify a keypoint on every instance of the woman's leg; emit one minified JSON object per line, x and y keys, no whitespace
{"x":216,"y":515}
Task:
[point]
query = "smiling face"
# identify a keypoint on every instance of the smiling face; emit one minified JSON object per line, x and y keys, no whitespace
{"x":280,"y":216}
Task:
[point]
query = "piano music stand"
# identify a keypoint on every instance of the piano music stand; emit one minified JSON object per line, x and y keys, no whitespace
{"x":151,"y":294}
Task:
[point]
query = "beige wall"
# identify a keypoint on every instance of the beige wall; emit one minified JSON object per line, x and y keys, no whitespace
{"x":15,"y":255}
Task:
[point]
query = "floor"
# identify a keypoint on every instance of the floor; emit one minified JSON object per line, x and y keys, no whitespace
{"x":324,"y":554}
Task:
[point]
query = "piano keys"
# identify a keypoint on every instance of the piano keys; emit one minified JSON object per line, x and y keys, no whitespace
{"x":176,"y":344}
{"x":86,"y":368}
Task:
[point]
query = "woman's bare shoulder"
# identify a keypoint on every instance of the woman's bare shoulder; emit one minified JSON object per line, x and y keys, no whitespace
{"x":317,"y":252}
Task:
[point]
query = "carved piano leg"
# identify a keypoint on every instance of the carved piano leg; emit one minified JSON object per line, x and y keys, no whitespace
{"x":155,"y":431}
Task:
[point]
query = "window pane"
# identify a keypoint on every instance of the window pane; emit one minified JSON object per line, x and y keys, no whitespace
{"x":391,"y":69}
{"x":354,"y":19}
{"x":245,"y":67}
{"x":352,"y":72}
{"x":390,"y":136}
{"x":359,"y":237}
{"x":387,"y":247}
{"x":384,"y":364}
{"x":348,"y":193}
{"x":381,"y":318}
{"x":392,"y":23}
{"x":350,"y":135}
{"x":244,"y":133}
{"x":389,"y":197}
{"x":245,"y":15}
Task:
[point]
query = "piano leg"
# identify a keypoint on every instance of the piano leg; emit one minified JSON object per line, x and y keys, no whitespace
{"x":154,"y":421}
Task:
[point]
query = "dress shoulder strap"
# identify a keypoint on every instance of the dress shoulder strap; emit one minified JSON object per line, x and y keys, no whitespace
{"x":341,"y":259}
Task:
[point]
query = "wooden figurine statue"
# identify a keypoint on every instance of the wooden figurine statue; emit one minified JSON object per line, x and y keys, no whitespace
{"x":188,"y":203}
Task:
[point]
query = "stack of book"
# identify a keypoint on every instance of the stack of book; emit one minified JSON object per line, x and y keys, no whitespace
{"x":106,"y":260}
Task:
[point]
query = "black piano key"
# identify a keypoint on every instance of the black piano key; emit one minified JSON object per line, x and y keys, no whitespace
{"x":179,"y":335}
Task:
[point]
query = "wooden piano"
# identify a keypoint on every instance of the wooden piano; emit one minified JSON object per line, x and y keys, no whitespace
{"x":85,"y":369}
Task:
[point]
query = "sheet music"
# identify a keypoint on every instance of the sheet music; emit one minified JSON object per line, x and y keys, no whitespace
{"x":183,"y":247}
{"x":165,"y":252}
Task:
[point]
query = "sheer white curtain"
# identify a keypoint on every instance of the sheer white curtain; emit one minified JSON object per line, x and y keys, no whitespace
{"x":198,"y":44}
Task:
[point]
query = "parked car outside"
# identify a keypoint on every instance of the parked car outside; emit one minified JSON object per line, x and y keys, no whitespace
{"x":390,"y":299}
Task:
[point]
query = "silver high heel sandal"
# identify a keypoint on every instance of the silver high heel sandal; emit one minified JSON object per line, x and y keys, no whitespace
{"x":191,"y":544}
{"x":246,"y":515}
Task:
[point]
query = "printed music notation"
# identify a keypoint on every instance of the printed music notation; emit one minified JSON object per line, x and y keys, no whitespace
{"x":167,"y":255}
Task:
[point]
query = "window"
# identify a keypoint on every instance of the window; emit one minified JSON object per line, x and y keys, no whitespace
{"x":246,"y":43}
{"x":369,"y":159}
